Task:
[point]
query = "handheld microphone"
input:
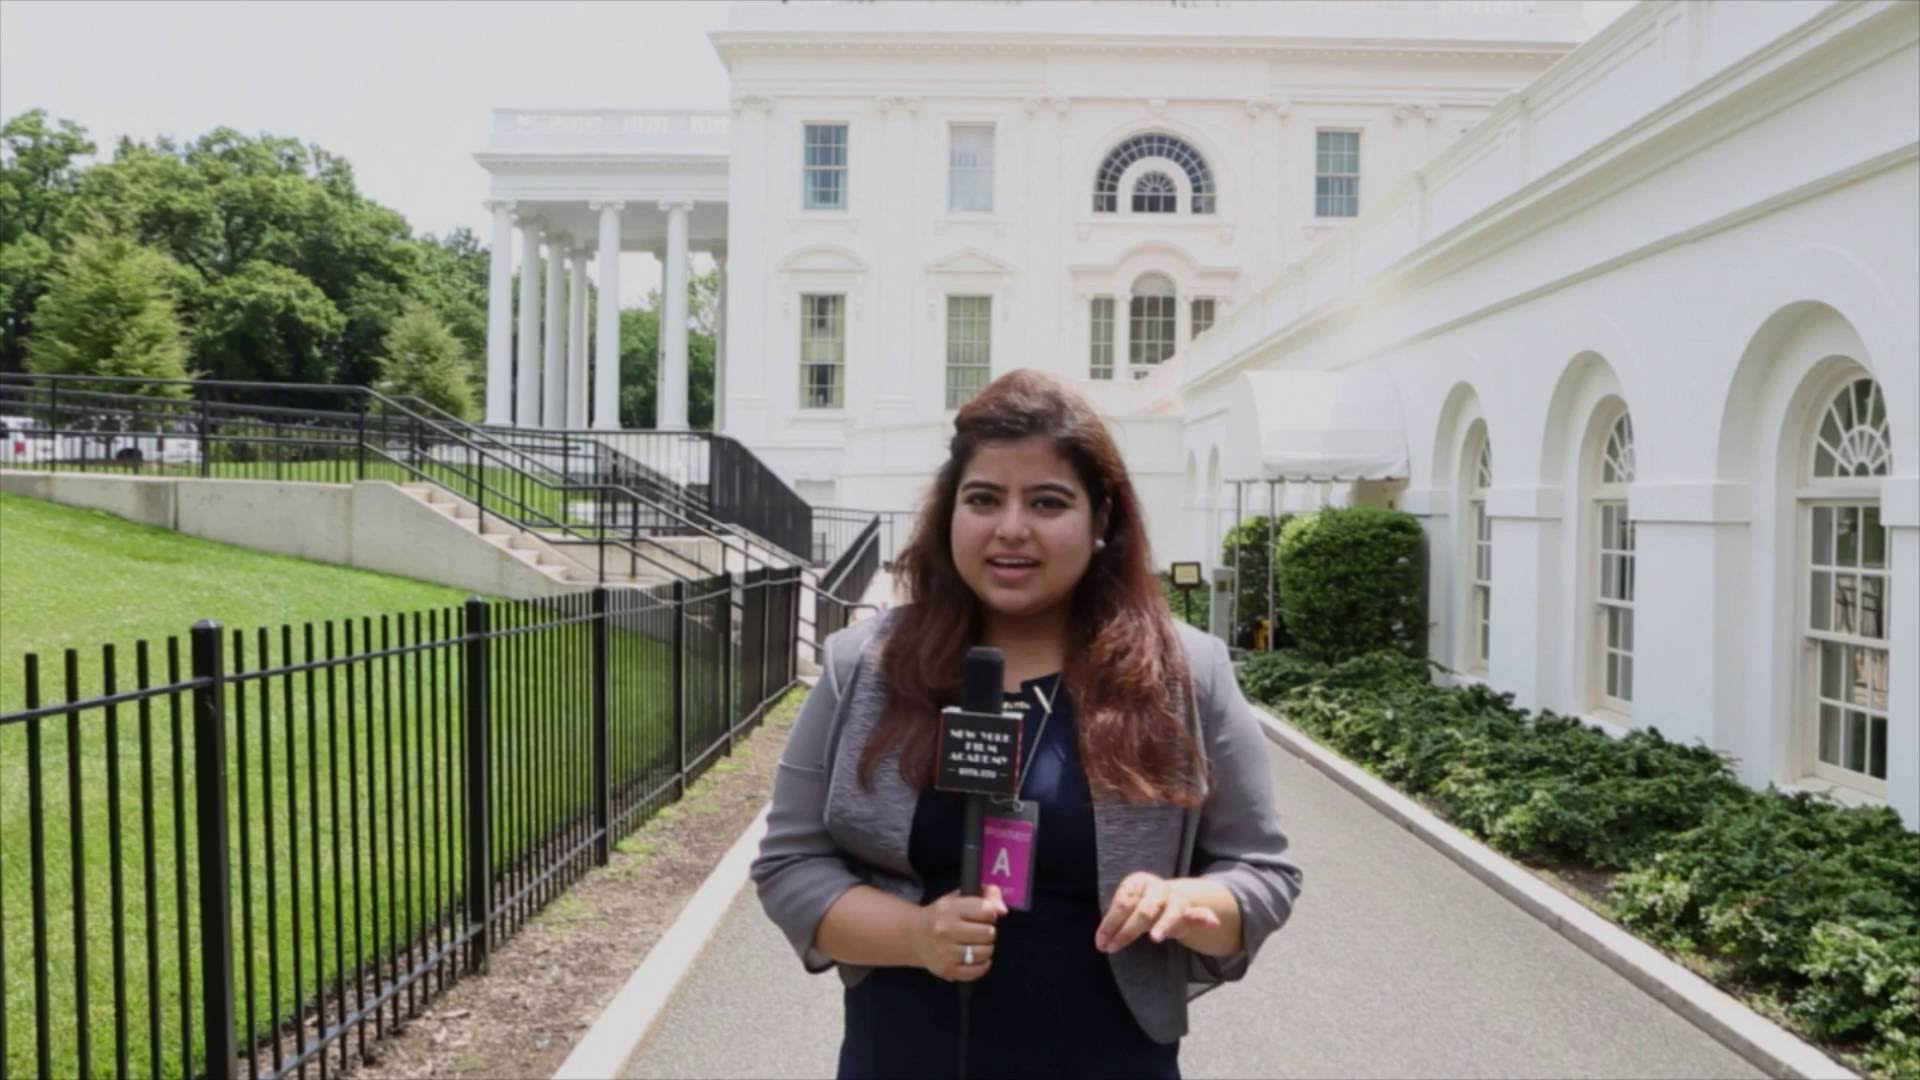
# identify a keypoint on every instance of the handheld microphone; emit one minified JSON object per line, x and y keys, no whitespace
{"x":978,"y":756}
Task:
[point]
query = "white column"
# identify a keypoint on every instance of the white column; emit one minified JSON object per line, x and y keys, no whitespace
{"x":1527,"y":596}
{"x":606,"y":355}
{"x":500,"y":317}
{"x":1900,"y":512}
{"x":673,"y":321}
{"x":1122,"y":335}
{"x":753,"y":381}
{"x":528,"y":376}
{"x":577,"y":339}
{"x":720,"y":342}
{"x":554,"y":386}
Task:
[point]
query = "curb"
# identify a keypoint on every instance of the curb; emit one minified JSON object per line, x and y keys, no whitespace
{"x":1763,"y":1043}
{"x":627,"y":1020}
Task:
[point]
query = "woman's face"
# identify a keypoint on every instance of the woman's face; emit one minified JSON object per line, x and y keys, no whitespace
{"x":1023,"y":527}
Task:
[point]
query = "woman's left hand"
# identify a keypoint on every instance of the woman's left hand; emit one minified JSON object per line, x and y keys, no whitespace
{"x":1149,"y":904}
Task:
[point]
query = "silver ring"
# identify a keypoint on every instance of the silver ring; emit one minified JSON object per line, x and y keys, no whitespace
{"x":966,"y":955}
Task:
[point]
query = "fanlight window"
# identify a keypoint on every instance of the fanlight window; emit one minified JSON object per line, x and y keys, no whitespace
{"x":1617,"y":466}
{"x":1106,"y":186}
{"x":1853,"y":439}
{"x":1154,"y":193}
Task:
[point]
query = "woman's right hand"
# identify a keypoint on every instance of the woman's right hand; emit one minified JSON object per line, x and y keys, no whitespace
{"x":949,"y":925}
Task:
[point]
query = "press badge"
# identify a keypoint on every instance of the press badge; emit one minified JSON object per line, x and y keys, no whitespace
{"x":1006,"y":850}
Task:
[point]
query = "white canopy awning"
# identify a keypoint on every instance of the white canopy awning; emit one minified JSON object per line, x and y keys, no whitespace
{"x":1315,"y":425}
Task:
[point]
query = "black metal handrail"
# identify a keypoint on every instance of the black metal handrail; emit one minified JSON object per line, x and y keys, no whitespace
{"x":359,"y":425}
{"x":739,"y":489}
{"x":689,"y":514}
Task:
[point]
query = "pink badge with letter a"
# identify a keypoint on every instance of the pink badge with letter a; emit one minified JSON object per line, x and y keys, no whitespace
{"x":1006,"y":852}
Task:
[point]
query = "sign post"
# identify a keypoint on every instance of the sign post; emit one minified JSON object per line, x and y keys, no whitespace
{"x":1186,"y":578}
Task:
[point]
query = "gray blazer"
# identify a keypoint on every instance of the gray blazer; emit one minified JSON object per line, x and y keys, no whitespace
{"x":825,"y":835}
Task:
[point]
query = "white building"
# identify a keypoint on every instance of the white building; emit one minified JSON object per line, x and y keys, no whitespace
{"x":1631,"y":326}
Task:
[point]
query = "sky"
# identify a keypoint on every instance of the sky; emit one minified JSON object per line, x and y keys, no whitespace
{"x":402,"y":89}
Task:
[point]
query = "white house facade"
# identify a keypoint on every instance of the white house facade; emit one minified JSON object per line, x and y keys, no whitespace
{"x":1630,"y":323}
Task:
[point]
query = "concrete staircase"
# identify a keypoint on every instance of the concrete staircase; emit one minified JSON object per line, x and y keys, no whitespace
{"x":567,"y":566}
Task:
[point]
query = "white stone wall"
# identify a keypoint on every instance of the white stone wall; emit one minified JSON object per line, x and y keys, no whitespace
{"x":1746,"y":240}
{"x":1058,"y":106}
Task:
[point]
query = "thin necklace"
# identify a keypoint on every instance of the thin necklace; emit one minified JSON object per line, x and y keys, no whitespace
{"x":1046,"y":714}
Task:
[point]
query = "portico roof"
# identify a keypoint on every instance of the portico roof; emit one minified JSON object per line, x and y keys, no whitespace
{"x":1315,"y":425}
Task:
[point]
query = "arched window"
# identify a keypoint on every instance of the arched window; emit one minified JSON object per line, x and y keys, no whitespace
{"x":1106,"y":184}
{"x":1150,"y":323}
{"x":1480,"y":559}
{"x":1154,"y":193}
{"x":1614,"y":549}
{"x":1846,"y":573}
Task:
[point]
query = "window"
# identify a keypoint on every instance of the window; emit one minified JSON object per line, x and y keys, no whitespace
{"x":969,"y":347}
{"x":1106,"y":185}
{"x":1336,"y":178}
{"x":1846,"y":574}
{"x":1100,"y":335}
{"x":824,"y":179}
{"x":1154,"y":193}
{"x":1150,"y":323}
{"x":970,"y":169}
{"x":1481,"y":559}
{"x":823,"y":351}
{"x":1202,"y":315}
{"x":1615,"y":550}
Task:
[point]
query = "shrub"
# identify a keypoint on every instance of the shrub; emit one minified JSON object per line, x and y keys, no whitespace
{"x":1796,"y":892}
{"x":1810,"y":908}
{"x":1248,"y":549}
{"x":1351,"y":581}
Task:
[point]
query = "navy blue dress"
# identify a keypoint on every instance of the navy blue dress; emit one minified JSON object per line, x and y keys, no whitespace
{"x":1049,"y":1005}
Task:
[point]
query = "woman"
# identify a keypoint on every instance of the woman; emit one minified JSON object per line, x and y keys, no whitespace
{"x":1159,"y":862}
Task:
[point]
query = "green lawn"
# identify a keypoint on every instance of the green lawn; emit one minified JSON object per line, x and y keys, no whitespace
{"x":355,"y":774}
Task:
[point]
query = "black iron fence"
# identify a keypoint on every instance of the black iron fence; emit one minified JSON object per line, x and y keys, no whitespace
{"x":844,"y":583}
{"x":252,"y":852}
{"x":837,"y":529}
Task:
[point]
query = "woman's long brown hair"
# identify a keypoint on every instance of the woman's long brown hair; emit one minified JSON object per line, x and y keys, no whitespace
{"x":1125,"y":668}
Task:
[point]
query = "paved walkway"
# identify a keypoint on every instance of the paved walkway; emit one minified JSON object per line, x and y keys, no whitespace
{"x":1397,"y":964}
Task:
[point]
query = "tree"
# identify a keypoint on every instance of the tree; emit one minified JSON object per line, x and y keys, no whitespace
{"x":269,"y":323}
{"x":423,"y":358}
{"x":227,"y":206}
{"x":38,"y":178}
{"x":640,"y":356}
{"x":108,"y":311}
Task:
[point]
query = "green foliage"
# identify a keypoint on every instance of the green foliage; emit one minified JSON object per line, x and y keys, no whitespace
{"x":267,"y":322}
{"x":640,"y":356}
{"x":1812,"y":908}
{"x":279,"y":267}
{"x":1351,"y":581}
{"x":38,"y":178}
{"x":108,"y":311}
{"x":1794,"y":892}
{"x":423,"y":359}
{"x":1248,"y":549}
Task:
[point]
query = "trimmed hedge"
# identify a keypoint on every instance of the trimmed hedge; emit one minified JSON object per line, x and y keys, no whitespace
{"x":1810,"y":909}
{"x":1351,"y":581}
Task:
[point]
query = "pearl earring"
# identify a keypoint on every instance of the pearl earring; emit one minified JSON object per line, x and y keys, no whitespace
{"x":1100,"y":545}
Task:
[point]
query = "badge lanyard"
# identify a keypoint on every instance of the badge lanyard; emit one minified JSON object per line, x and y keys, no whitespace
{"x":1007,"y":856}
